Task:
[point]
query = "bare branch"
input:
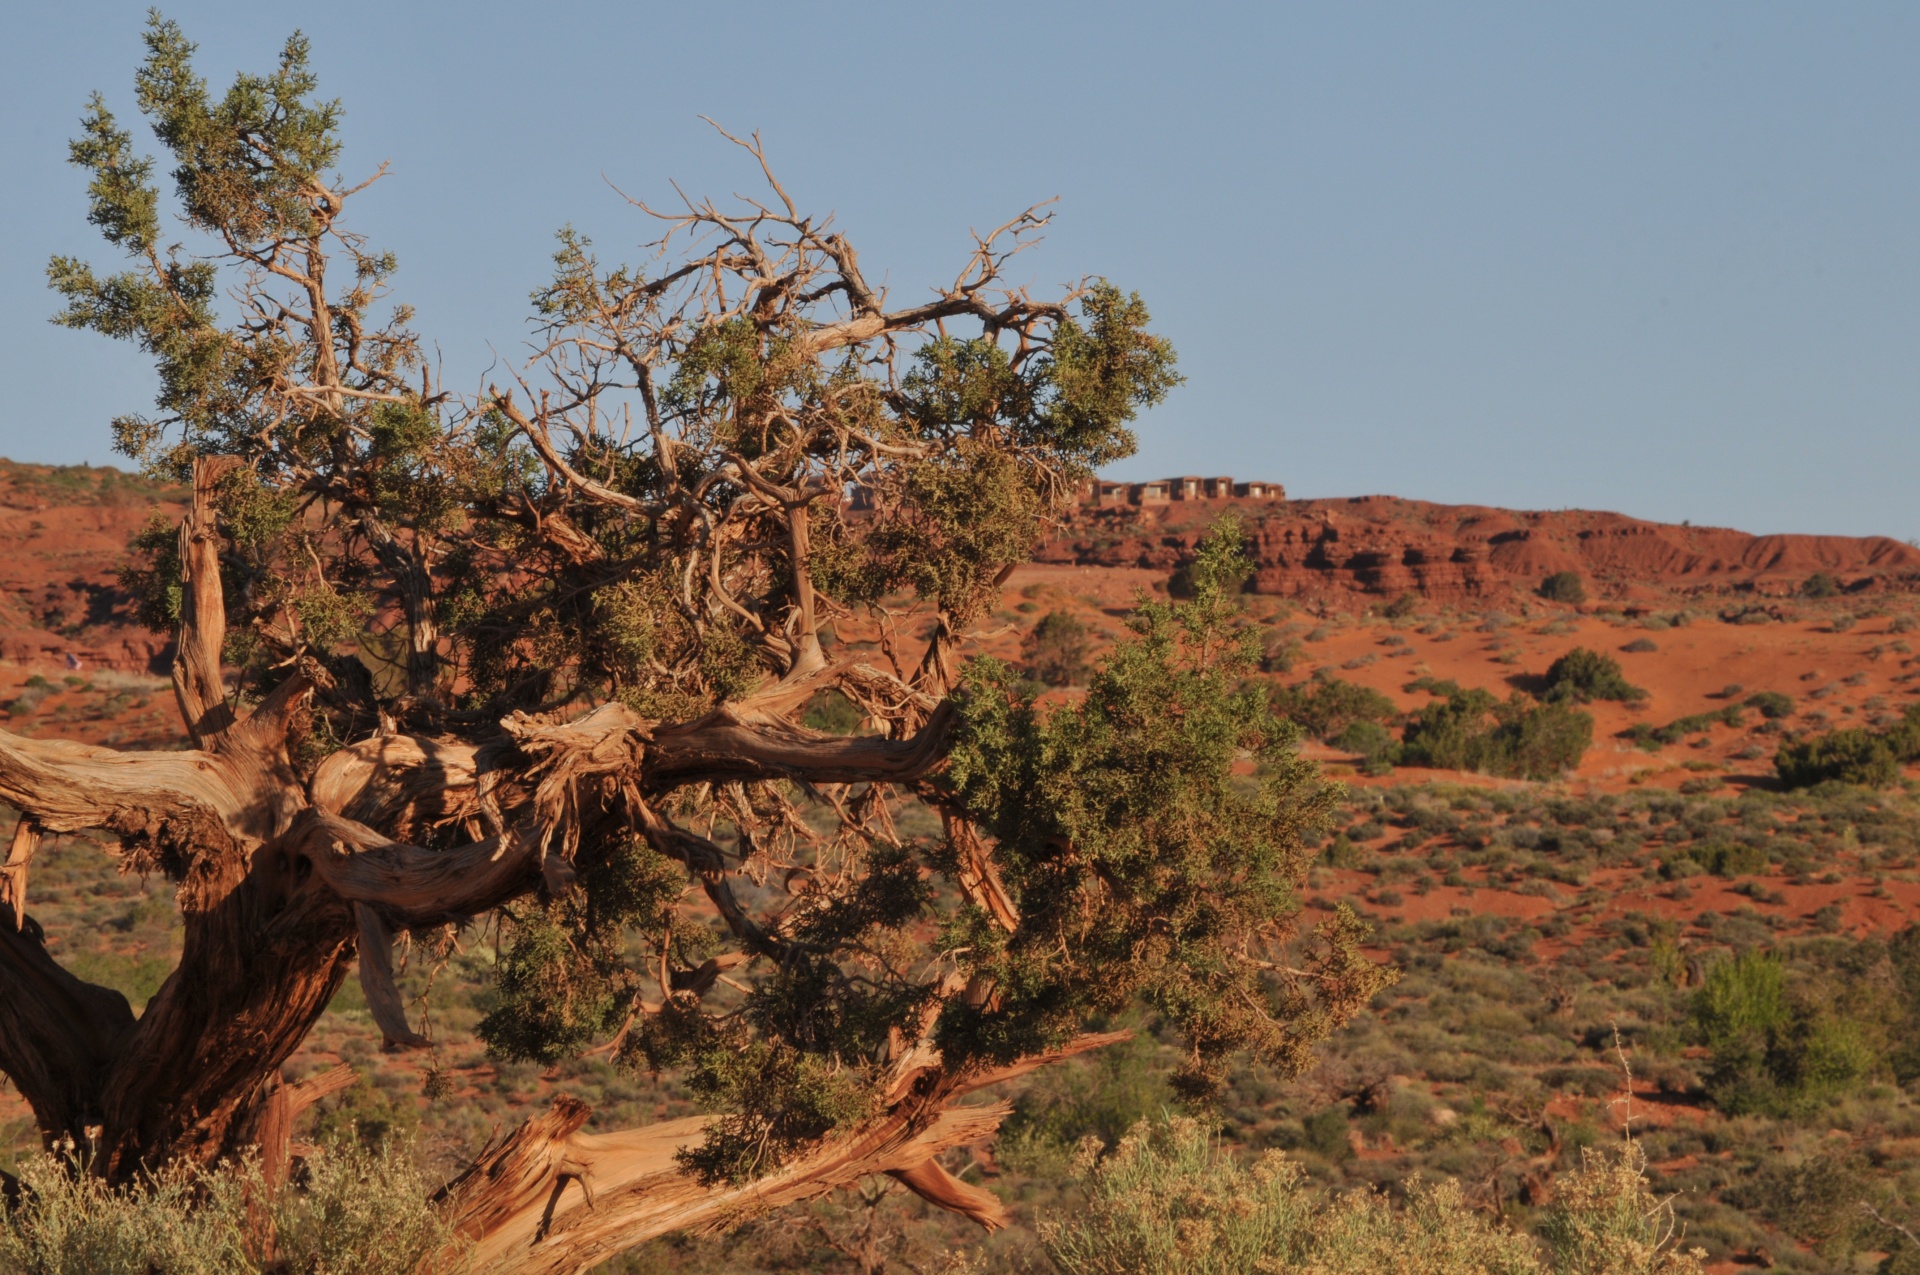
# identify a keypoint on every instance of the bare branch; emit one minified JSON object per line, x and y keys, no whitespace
{"x":203,"y":615}
{"x":376,"y":981}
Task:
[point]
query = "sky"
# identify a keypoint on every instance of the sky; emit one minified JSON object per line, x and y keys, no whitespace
{"x":1655,"y":258}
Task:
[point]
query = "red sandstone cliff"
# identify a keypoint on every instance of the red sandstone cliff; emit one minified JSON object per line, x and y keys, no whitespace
{"x":65,"y":531}
{"x":1383,"y":546}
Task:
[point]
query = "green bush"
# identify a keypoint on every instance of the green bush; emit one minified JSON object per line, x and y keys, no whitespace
{"x":1169,"y":1200}
{"x":1731,"y":858}
{"x":1820,"y":585}
{"x":1651,"y":737}
{"x":1774,"y":1053}
{"x":1582,"y":676}
{"x":1057,"y":650}
{"x":1851,"y":756}
{"x":1771,"y":705}
{"x":1564,"y":586}
{"x":1472,"y":730}
{"x":1372,"y":742}
{"x":352,"y":1211}
{"x":1324,"y":707}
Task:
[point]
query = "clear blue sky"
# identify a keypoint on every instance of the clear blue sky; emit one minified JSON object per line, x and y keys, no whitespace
{"x":1661,"y":258}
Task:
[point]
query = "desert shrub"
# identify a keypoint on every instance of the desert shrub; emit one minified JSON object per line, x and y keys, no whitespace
{"x":1851,"y":756}
{"x":1472,"y":730}
{"x":1324,"y":707}
{"x":1731,"y":858}
{"x":1057,"y":649}
{"x":1771,"y":705}
{"x":1372,"y":742}
{"x":1679,"y":728}
{"x":1564,"y":586}
{"x":1281,"y":655}
{"x":1816,"y":1200}
{"x":1401,"y":607}
{"x":1819,"y":585}
{"x":1641,"y":646}
{"x":1101,"y":1096}
{"x":352,"y":1211}
{"x":1772,"y":1052}
{"x":1605,"y":1220}
{"x":1903,"y":739}
{"x":1581,"y":676}
{"x":1169,"y":1200}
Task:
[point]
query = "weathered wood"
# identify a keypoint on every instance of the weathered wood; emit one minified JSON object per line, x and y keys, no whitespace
{"x":197,"y":683}
{"x":282,"y":1103}
{"x":13,"y":874}
{"x":376,"y":981}
{"x":551,"y":1200}
{"x":555,"y":1201}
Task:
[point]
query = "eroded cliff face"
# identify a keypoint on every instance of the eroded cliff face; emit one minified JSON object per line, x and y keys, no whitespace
{"x":65,"y":532}
{"x":1374,"y":546}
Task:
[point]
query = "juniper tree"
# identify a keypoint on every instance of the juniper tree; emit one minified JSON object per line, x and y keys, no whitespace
{"x":540,"y":657}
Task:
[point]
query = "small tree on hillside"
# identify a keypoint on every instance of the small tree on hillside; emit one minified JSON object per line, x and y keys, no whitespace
{"x":543,"y":656}
{"x":1057,"y":650}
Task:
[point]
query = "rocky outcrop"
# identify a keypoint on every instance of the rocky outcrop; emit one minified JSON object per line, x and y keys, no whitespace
{"x":66,"y":531}
{"x":1373,"y":546}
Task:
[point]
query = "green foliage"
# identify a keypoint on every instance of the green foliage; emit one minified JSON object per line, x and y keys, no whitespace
{"x":1731,"y":858}
{"x":1142,"y":866}
{"x":1375,"y":744}
{"x":1472,"y":730}
{"x":832,"y":712}
{"x":1102,"y":1096}
{"x":1582,"y":676}
{"x":360,"y":481}
{"x":1849,"y":756}
{"x":350,"y":1211}
{"x":1325,"y":707}
{"x":562,"y":978}
{"x":1565,"y":587}
{"x":1819,"y":585}
{"x":1774,"y":1052}
{"x":1169,"y":1200}
{"x":1058,"y":650}
{"x":1771,"y":705}
{"x":1653,"y":737}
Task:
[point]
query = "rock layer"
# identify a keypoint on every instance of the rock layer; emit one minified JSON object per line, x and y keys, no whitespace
{"x":1373,"y":546}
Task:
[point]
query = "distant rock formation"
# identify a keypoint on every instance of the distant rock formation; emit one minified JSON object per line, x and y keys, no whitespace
{"x":66,"y":530}
{"x":1373,"y":546}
